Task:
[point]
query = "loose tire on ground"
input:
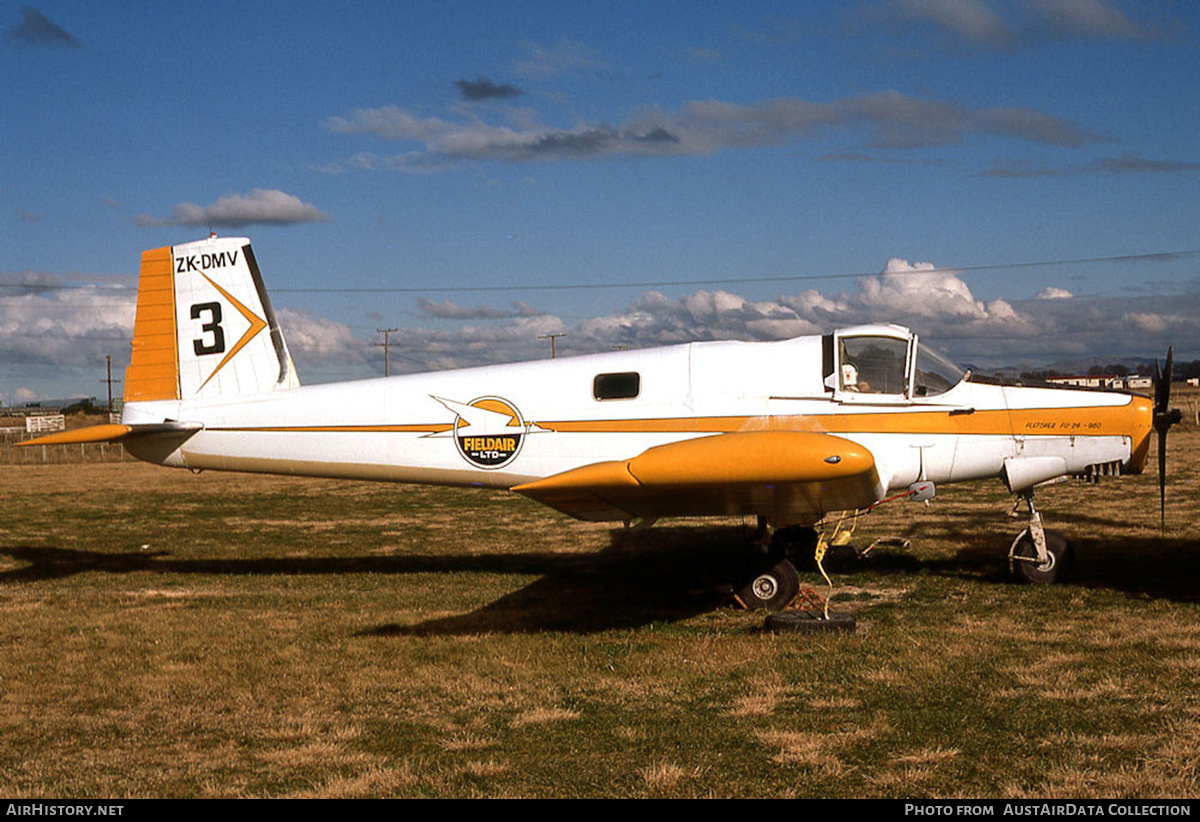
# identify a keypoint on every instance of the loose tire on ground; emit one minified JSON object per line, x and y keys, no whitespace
{"x":806,"y":622}
{"x":1059,"y":562}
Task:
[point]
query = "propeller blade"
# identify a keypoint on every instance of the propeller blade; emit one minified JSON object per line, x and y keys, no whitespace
{"x":1166,"y":381}
{"x":1164,"y":417}
{"x":1162,"y":383}
{"x":1162,"y":480}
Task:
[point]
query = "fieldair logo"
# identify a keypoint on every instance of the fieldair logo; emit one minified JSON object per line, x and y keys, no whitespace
{"x":488,"y":431}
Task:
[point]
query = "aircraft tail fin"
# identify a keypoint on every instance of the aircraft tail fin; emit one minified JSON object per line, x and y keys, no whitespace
{"x":205,"y":327}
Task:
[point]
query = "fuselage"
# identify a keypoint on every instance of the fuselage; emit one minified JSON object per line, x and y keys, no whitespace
{"x":504,"y":425}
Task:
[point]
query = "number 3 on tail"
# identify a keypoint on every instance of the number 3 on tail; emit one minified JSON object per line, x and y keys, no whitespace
{"x":213,"y":326}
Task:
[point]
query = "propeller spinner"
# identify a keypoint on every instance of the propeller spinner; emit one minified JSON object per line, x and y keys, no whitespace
{"x":1164,"y":417}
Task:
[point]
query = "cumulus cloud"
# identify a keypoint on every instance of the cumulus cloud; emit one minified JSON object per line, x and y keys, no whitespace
{"x":318,"y":340}
{"x":655,"y":319}
{"x":916,"y":293}
{"x":1052,"y":293}
{"x":36,"y":29}
{"x":260,"y":206}
{"x":43,"y":324}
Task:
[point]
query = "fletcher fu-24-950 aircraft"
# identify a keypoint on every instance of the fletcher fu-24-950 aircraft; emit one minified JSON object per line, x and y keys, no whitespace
{"x":788,"y":432}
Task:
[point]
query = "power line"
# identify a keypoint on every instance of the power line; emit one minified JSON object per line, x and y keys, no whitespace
{"x":1160,"y":256}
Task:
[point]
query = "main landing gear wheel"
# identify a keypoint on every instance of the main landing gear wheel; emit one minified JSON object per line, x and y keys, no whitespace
{"x":771,"y":589}
{"x":806,"y":622}
{"x":1060,"y":558}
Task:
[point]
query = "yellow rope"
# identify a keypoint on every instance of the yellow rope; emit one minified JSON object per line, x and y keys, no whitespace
{"x":828,"y":537}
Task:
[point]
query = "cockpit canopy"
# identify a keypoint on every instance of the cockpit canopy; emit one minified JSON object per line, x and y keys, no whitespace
{"x":885,"y":363}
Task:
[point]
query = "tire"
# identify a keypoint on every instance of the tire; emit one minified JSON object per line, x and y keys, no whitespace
{"x":1060,"y":558}
{"x":771,"y":589}
{"x":803,"y":622}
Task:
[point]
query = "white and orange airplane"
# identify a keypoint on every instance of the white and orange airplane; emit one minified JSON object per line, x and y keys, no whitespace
{"x":788,"y":432}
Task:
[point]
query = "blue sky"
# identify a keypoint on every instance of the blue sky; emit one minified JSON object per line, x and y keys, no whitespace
{"x":479,"y":175}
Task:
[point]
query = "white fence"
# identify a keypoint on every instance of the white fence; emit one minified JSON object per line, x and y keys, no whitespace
{"x":45,"y":423}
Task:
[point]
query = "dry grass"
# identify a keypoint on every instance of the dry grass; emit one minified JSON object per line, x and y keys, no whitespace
{"x":163,"y":634}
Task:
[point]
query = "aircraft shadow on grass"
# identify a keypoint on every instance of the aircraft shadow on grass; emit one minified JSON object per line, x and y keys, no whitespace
{"x":662,"y":574}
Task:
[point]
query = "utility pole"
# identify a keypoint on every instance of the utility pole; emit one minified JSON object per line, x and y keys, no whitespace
{"x":385,"y":345}
{"x":110,"y":380}
{"x":552,"y":338}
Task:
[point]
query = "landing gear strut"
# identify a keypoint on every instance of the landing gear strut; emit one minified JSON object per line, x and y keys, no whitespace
{"x":775,"y":583}
{"x":1037,"y":555}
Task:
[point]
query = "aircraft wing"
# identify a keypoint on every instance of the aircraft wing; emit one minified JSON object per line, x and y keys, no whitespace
{"x":790,"y":476}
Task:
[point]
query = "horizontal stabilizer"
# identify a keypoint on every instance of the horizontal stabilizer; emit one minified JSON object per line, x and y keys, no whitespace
{"x":115,"y":433}
{"x":788,"y":476}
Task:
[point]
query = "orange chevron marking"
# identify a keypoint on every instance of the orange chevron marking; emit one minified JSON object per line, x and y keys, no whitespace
{"x":257,"y":324}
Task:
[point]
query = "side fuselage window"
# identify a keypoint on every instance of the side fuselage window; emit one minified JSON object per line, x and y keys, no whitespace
{"x":622,"y":386}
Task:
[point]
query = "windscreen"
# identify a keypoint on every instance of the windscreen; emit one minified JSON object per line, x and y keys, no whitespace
{"x":935,"y":374}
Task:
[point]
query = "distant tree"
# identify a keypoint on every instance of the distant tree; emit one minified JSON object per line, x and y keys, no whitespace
{"x":85,"y":406}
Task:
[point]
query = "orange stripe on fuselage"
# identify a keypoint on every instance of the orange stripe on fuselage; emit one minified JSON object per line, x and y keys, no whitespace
{"x":414,"y":428}
{"x":1096,"y":421}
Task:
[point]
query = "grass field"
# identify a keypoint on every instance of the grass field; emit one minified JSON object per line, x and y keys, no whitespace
{"x":165,"y":635}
